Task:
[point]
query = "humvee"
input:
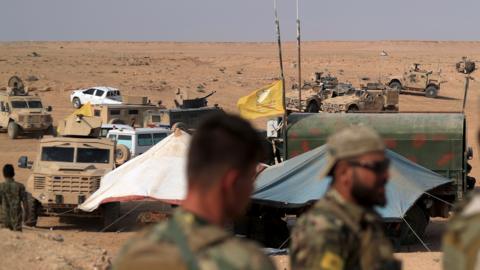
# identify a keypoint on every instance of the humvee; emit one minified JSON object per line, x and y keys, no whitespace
{"x":68,"y":170}
{"x":365,"y":100}
{"x":130,"y":113}
{"x":417,"y":79}
{"x":21,"y":113}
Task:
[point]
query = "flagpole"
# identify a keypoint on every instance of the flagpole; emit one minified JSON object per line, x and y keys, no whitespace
{"x":299,"y":63}
{"x":284,"y":128}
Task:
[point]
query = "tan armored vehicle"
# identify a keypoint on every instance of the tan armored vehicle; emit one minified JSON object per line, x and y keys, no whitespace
{"x":21,"y":113}
{"x":131,"y":113}
{"x":363,"y":101}
{"x":418,"y":80}
{"x":68,"y":170}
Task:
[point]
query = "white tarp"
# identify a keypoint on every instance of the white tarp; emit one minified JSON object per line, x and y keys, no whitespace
{"x":158,"y":174}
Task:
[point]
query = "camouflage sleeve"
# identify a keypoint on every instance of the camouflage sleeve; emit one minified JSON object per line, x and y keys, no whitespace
{"x":318,"y":243}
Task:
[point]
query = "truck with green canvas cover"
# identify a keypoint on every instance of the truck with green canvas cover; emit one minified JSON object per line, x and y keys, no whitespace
{"x":436,"y":141}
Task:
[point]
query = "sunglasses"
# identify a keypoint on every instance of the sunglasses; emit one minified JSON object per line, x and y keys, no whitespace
{"x":376,"y":167}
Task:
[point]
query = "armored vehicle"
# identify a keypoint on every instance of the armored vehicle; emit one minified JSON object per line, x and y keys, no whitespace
{"x":130,"y":113}
{"x":188,"y":113}
{"x":418,"y":80}
{"x":465,"y":66}
{"x":363,"y":101}
{"x":68,"y":170}
{"x":21,"y":113}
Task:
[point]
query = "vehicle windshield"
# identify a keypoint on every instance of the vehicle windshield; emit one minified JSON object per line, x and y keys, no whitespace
{"x":57,"y":154}
{"x":22,"y":104}
{"x":93,"y":155}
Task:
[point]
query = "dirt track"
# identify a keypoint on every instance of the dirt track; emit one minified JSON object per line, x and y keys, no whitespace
{"x":233,"y":70}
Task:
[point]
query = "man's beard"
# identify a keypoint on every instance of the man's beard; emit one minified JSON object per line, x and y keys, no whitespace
{"x":367,"y":196}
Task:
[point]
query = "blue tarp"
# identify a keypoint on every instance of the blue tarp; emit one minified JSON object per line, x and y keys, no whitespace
{"x":296,"y":182}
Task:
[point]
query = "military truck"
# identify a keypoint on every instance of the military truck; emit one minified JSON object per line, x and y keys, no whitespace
{"x":21,"y":113}
{"x":436,"y":141}
{"x":416,"y":79}
{"x":130,"y":113}
{"x":68,"y":170}
{"x":188,"y":113}
{"x":363,"y":101}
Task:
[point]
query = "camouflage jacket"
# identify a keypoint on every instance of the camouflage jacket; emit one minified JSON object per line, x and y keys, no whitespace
{"x":187,"y":242}
{"x":12,"y":195}
{"x":336,"y":234}
{"x":461,"y":241}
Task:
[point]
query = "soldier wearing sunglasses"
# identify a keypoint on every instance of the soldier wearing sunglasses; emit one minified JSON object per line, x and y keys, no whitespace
{"x":342,"y":230}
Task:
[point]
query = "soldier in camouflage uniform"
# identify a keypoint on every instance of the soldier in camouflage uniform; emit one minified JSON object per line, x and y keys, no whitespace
{"x":221,"y":169}
{"x":12,"y":196}
{"x":342,"y":231}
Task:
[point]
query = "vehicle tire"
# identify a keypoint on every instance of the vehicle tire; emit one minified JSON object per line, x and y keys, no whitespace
{"x":13,"y":130}
{"x":50,"y":131}
{"x":313,"y":107}
{"x":431,"y":91}
{"x":110,"y":214}
{"x":122,"y":154}
{"x":352,"y":109}
{"x":391,"y":108}
{"x":76,"y":103}
{"x":30,"y":213}
{"x":395,"y":85}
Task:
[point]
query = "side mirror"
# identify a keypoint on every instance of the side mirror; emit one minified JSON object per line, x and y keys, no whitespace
{"x":23,"y":163}
{"x":49,"y":109}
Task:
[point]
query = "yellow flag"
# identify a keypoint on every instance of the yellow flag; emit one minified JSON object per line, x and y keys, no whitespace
{"x":85,"y":110}
{"x":263,"y":102}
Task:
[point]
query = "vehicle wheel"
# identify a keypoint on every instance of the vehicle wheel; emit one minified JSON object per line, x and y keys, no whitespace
{"x":395,"y":85}
{"x":110,"y":214}
{"x":313,"y":107}
{"x":76,"y":103}
{"x":418,"y":219}
{"x":13,"y":130}
{"x":50,"y":131}
{"x":352,"y":109}
{"x":431,"y":91}
{"x":30,"y":213}
{"x":391,"y":108}
{"x":122,"y":154}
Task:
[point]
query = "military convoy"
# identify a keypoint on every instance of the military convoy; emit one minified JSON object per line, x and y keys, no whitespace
{"x":68,"y":170}
{"x":416,"y":79}
{"x":21,"y":113}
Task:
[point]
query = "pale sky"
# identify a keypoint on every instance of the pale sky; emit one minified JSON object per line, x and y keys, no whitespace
{"x":241,"y":20}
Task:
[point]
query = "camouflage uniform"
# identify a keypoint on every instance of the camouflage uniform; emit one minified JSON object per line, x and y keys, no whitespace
{"x":188,"y":242}
{"x":461,"y":242}
{"x":12,"y":195}
{"x":336,"y":234}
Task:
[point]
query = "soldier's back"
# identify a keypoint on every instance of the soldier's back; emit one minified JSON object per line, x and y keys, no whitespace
{"x":12,"y":194}
{"x":336,"y":235}
{"x":186,"y":242}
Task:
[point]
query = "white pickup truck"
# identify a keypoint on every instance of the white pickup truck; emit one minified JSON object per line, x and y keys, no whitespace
{"x":95,"y":95}
{"x":134,"y":142}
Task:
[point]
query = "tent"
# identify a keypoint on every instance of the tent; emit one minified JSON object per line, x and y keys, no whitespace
{"x":296,"y":182}
{"x":157,"y":174}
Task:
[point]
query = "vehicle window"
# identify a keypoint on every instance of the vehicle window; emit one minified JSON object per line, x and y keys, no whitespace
{"x":93,"y":155}
{"x":35,"y":104}
{"x":158,"y":137}
{"x":112,"y":137}
{"x":19,"y":104}
{"x":125,"y":140}
{"x":59,"y":154}
{"x":104,"y":132}
{"x":133,"y":112}
{"x":144,"y":139}
{"x":99,"y":93}
{"x":96,"y":112}
{"x":114,"y":112}
{"x":89,"y":91}
{"x":156,"y":118}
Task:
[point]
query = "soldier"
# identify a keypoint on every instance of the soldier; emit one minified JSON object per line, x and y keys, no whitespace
{"x":342,"y":231}
{"x":221,"y":168}
{"x":12,"y":195}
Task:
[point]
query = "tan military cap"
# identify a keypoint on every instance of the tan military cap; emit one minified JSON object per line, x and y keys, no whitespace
{"x":351,"y":142}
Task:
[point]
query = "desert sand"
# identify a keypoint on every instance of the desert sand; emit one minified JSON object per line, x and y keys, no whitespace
{"x":157,"y":69}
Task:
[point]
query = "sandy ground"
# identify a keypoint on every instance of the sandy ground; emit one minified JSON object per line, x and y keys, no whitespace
{"x":233,"y":70}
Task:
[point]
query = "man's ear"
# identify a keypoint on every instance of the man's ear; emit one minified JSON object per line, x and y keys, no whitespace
{"x":229,"y":180}
{"x":342,"y":171}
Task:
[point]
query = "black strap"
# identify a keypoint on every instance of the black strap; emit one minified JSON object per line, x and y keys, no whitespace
{"x":179,"y":238}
